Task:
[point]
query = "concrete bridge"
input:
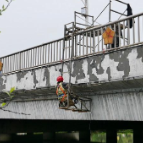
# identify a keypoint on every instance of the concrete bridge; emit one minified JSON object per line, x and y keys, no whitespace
{"x":111,"y":77}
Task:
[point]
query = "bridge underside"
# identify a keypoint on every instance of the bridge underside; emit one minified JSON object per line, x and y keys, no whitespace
{"x":59,"y":131}
{"x":29,"y":126}
{"x":121,"y":105}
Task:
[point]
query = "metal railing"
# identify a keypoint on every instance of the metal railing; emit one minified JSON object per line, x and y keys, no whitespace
{"x":128,"y":32}
{"x":33,"y":57}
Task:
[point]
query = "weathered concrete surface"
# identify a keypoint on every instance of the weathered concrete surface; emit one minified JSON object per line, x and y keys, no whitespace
{"x":117,"y":65}
{"x":91,"y":76}
{"x":117,"y":106}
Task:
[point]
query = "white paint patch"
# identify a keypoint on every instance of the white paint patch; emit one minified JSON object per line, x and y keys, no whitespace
{"x":73,"y":79}
{"x":66,"y":73}
{"x":115,"y":74}
{"x":26,"y":82}
{"x":40,"y":78}
{"x":54,"y":73}
{"x":11,"y":82}
{"x":104,"y":65}
{"x":85,"y":71}
{"x":91,"y":62}
{"x":136,"y":65}
{"x":107,"y":62}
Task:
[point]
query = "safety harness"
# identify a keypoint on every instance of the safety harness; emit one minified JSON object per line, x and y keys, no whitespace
{"x":63,"y":91}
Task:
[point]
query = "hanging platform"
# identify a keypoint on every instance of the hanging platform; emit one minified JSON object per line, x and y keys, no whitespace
{"x":83,"y":105}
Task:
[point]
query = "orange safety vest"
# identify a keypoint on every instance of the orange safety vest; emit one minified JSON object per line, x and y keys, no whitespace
{"x":60,"y":90}
{"x":1,"y":65}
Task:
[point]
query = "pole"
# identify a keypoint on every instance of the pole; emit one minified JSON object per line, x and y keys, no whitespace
{"x":63,"y":50}
{"x":87,"y":8}
{"x":109,"y":10}
{"x":70,"y":65}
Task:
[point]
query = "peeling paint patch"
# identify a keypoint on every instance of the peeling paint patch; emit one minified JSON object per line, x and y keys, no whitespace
{"x":91,"y":65}
{"x":97,"y":61}
{"x":47,"y":77}
{"x":78,"y":70}
{"x":21,"y":75}
{"x":111,"y":66}
{"x":84,"y":66}
{"x":54,"y":74}
{"x":122,"y":59}
{"x":2,"y":85}
{"x":136,"y":64}
{"x":35,"y":81}
{"x":108,"y":71}
{"x":140,"y":52}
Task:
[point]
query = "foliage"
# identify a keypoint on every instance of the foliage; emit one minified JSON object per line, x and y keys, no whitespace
{"x":98,"y":136}
{"x":10,"y":96}
{"x":5,"y":7}
{"x":7,"y":100}
{"x":123,"y":136}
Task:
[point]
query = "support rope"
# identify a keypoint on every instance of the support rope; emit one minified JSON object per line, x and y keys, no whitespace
{"x":122,"y":14}
{"x":83,"y":2}
{"x":100,"y":13}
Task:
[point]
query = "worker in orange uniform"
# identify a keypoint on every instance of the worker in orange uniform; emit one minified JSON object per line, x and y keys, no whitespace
{"x":62,"y":89}
{"x":62,"y":93}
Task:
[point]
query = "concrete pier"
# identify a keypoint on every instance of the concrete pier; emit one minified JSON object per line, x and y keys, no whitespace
{"x":111,"y":136}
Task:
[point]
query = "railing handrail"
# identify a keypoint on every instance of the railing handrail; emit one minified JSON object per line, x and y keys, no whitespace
{"x":91,"y":42}
{"x":32,"y":47}
{"x":81,"y":32}
{"x":110,"y":23}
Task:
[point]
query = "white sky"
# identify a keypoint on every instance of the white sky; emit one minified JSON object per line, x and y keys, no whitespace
{"x":28,"y":23}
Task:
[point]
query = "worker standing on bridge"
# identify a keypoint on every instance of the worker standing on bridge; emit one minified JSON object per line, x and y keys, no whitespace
{"x":61,"y":91}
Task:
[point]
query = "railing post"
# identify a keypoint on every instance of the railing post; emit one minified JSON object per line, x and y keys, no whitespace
{"x":19,"y":60}
{"x":93,"y":41}
{"x":133,"y":30}
{"x":138,"y":29}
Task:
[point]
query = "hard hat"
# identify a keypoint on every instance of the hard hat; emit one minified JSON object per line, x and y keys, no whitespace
{"x":60,"y":79}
